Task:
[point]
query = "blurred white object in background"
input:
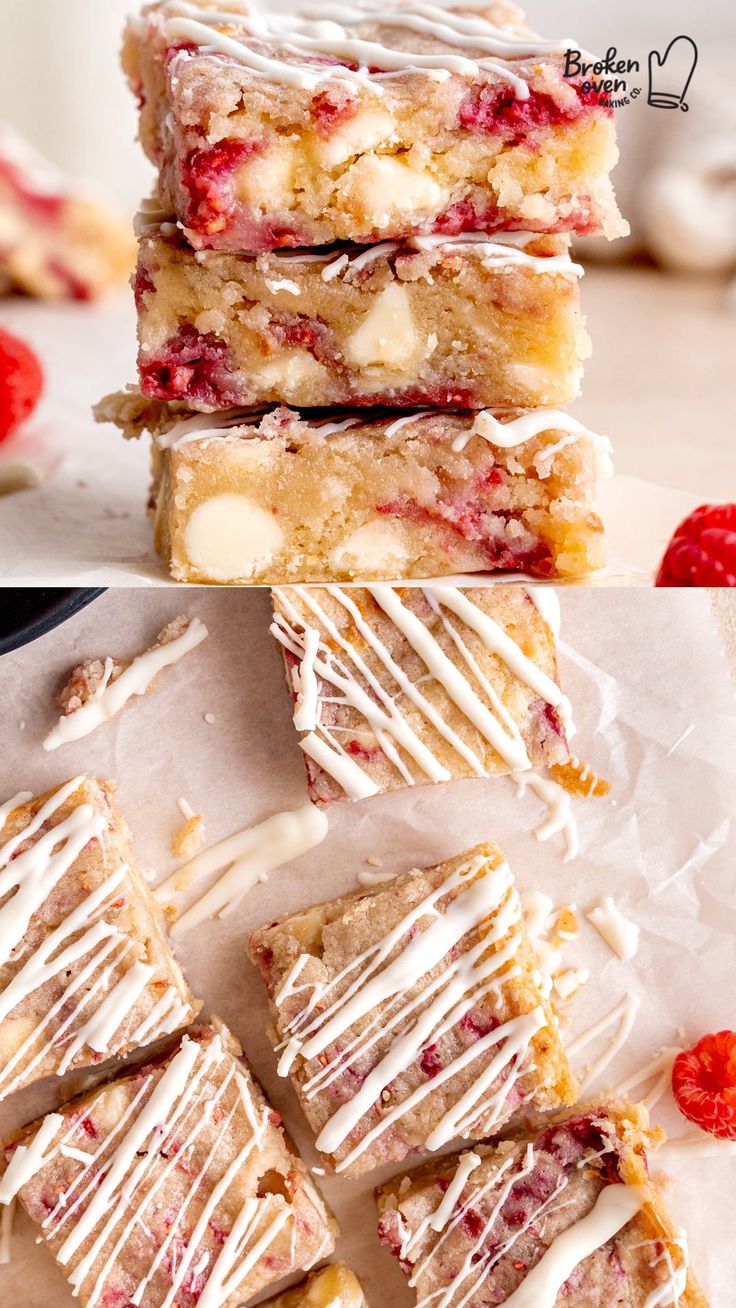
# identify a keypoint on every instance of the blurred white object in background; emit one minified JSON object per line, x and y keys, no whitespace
{"x":676,"y":182}
{"x":62,"y":87}
{"x":687,"y":202}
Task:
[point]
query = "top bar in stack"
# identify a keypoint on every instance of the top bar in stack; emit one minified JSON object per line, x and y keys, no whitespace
{"x":366,"y":123}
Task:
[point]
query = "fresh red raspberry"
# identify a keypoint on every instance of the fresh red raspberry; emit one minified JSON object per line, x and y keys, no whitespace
{"x":21,"y":383}
{"x":702,"y":551}
{"x":704,"y":1084}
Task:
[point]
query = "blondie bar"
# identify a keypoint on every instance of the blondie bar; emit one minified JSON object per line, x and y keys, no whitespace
{"x":172,"y":1186}
{"x":366,"y":122}
{"x":285,"y":496}
{"x":436,"y":320}
{"x":410,"y":1014}
{"x":568,"y":1217}
{"x":86,"y":970}
{"x":399,"y":688}
{"x":56,"y":242}
{"x":333,"y":1287}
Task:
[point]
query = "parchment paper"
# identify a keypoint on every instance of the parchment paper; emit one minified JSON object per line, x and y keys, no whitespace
{"x":642,"y":669}
{"x":85,"y":525}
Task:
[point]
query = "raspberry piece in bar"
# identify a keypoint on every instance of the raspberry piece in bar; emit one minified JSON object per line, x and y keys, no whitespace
{"x":366,"y":123}
{"x":258,"y":497}
{"x":365,"y":988}
{"x":172,"y":1185}
{"x":704,"y":1084}
{"x":55,"y":242}
{"x":436,"y":320}
{"x":394,"y":688}
{"x":333,"y":1287}
{"x":86,"y":970}
{"x":567,"y":1216}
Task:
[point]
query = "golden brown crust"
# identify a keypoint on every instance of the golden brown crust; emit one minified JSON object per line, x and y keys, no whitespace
{"x":634,"y":1140}
{"x":334,"y":933}
{"x":510,"y":607}
{"x":135,"y":919}
{"x":328,"y":1288}
{"x":236,"y":1161}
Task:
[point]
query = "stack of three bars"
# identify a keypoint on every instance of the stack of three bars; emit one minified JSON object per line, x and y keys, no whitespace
{"x":373,"y":208}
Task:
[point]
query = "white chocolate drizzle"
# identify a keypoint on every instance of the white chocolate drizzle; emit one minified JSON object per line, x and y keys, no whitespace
{"x":618,"y":931}
{"x":389,"y":989}
{"x":7,"y":1215}
{"x":323,"y":652}
{"x":668,"y":1294}
{"x":114,"y":1187}
{"x":136,"y":679}
{"x":622,"y":1017}
{"x":501,"y":249}
{"x":541,"y":920}
{"x":538,"y":909}
{"x":288,"y":49}
{"x":560,"y":817}
{"x":11,"y":804}
{"x":28,"y":1159}
{"x":658,"y":1070}
{"x":547,"y":602}
{"x":84,"y":952}
{"x":283,"y":284}
{"x":486,"y":425}
{"x":246,"y":859}
{"x":487,"y":1184}
{"x":696,"y":1145}
{"x":568,"y":982}
{"x":509,"y":435}
{"x":497,"y":250}
{"x":614,"y":1208}
{"x":482,"y":1256}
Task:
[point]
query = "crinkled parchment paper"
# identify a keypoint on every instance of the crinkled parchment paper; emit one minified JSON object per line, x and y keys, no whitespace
{"x":644,"y":670}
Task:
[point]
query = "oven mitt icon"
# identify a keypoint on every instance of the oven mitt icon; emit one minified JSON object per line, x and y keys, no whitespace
{"x":670,"y":74}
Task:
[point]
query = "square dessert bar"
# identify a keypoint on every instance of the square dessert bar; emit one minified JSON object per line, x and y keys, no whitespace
{"x":436,"y":320}
{"x":409,"y":1015}
{"x":351,"y":122}
{"x":172,"y":1186}
{"x":565,"y":1217}
{"x":258,"y":498}
{"x":333,"y":1287}
{"x":55,"y":242}
{"x":396,"y":688}
{"x":86,"y":969}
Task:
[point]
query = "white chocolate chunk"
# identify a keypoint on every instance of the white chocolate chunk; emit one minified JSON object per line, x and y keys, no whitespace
{"x":401,"y":189}
{"x":268,"y":179}
{"x":374,"y":547}
{"x":290,"y":371}
{"x":364,"y":132}
{"x":231,"y":538}
{"x":387,"y":334}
